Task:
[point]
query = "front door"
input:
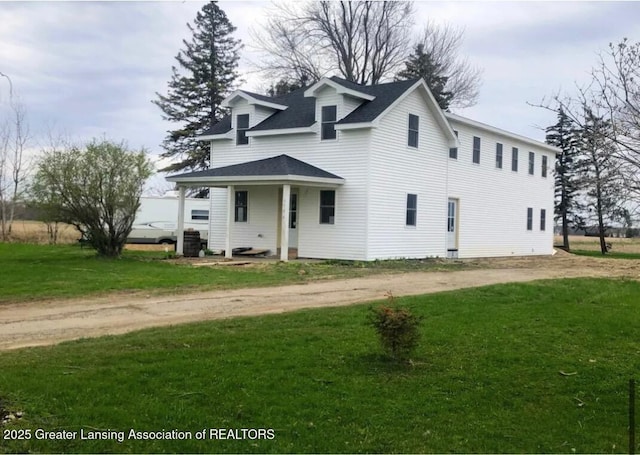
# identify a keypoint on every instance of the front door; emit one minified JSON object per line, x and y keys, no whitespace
{"x":452,"y":228}
{"x":293,"y":220}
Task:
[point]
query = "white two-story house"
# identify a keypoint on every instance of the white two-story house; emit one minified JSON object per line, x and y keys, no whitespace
{"x":346,"y":171}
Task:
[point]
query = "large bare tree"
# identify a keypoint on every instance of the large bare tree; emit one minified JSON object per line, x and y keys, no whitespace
{"x":364,"y":41}
{"x":14,"y":135}
{"x":442,"y":43}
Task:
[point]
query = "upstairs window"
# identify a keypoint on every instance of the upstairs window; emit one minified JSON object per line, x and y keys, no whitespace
{"x":543,"y":219}
{"x":412,"y":209}
{"x":532,"y":162}
{"x":327,"y":206}
{"x":476,"y":150}
{"x":199,"y":215}
{"x":241,"y":206}
{"x":529,"y":219}
{"x":514,"y":159}
{"x":544,"y":166}
{"x":453,"y":151}
{"x":242,"y":125}
{"x":328,"y":121}
{"x":414,"y":129}
{"x":499,"y":155}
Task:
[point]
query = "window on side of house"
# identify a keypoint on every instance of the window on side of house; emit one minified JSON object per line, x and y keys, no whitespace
{"x":476,"y":149}
{"x":499,"y":155}
{"x":412,"y":209}
{"x":514,"y":159}
{"x":453,"y":151}
{"x":199,"y":215}
{"x":532,"y":162}
{"x":328,"y":121}
{"x":544,"y":166}
{"x":414,"y":130}
{"x":242,"y":198}
{"x":529,"y":219}
{"x":242,"y":125}
{"x":543,"y":219}
{"x":327,"y":206}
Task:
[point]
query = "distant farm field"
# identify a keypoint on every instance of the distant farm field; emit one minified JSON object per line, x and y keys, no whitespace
{"x":36,"y":232}
{"x":619,"y":245}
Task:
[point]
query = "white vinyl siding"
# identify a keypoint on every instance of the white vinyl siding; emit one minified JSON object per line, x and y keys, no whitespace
{"x":490,"y":200}
{"x":395,"y":172}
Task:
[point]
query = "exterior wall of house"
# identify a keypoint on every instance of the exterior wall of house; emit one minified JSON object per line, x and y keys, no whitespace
{"x":397,"y":169}
{"x":493,"y":202}
{"x":346,"y":157}
{"x":380,"y":169}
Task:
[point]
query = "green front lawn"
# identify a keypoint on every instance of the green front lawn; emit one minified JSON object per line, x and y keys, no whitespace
{"x":539,"y":367}
{"x":29,"y":272}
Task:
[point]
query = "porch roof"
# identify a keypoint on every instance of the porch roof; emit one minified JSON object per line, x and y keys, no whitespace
{"x":277,"y":170}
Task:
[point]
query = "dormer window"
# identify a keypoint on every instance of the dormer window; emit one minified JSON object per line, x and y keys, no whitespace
{"x":328,"y":121}
{"x":242,"y":125}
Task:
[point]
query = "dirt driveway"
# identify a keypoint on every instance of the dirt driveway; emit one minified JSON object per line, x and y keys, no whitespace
{"x":49,"y":322}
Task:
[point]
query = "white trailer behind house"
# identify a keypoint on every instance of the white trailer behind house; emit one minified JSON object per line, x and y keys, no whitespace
{"x":157,"y":219}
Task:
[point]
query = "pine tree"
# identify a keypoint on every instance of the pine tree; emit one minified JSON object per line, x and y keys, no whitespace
{"x":421,"y":65}
{"x":566,"y":136}
{"x":206,"y":74}
{"x":284,"y":86}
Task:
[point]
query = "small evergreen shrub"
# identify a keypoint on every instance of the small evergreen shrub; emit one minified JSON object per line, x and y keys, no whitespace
{"x":397,"y":328}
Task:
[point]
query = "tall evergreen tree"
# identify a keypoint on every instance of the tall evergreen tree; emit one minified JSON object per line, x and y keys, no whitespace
{"x":206,"y":73}
{"x":566,"y":136}
{"x":421,"y":64}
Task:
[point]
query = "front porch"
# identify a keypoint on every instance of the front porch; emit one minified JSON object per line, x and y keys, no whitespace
{"x":281,"y":177}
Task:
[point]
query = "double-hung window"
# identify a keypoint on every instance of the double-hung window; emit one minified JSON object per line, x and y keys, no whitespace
{"x":412,"y":209}
{"x":453,"y":151}
{"x":414,"y":130}
{"x":327,"y":206}
{"x":328,"y":121}
{"x":514,"y":159}
{"x":543,"y":219}
{"x":544,"y":166}
{"x":529,"y":219}
{"x":242,"y":125}
{"x":241,"y":206}
{"x":476,"y":149}
{"x":532,"y":162}
{"x":499,"y":155}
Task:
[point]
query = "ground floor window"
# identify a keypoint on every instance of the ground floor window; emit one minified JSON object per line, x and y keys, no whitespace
{"x":412,"y":209}
{"x":543,"y":219}
{"x":529,"y":219}
{"x":327,"y":206}
{"x":241,"y":206}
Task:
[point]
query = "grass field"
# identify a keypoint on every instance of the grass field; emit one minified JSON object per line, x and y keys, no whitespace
{"x":535,"y":368}
{"x":619,"y":245}
{"x":69,"y":271}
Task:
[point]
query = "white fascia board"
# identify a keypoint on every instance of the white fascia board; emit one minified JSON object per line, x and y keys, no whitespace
{"x":301,"y":130}
{"x":216,"y":137}
{"x":257,"y":180}
{"x":311,"y":91}
{"x":251,"y":100}
{"x":493,"y":129}
{"x":354,"y":126}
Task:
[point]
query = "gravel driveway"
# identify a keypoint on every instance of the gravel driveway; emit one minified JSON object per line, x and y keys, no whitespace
{"x":50,"y":322}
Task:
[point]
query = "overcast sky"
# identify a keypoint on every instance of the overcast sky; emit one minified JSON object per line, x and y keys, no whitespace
{"x":92,"y":68}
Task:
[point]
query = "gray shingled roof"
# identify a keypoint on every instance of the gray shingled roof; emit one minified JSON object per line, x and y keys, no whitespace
{"x":301,"y":110}
{"x":275,"y":166}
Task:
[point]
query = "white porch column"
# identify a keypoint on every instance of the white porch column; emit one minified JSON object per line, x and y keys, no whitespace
{"x":284,"y":234}
{"x":180,"y":233}
{"x":228,"y":251}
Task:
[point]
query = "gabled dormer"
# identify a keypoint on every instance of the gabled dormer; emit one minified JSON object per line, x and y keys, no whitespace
{"x":334,"y":98}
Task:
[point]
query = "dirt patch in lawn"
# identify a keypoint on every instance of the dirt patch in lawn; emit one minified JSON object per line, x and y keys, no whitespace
{"x":50,"y":322}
